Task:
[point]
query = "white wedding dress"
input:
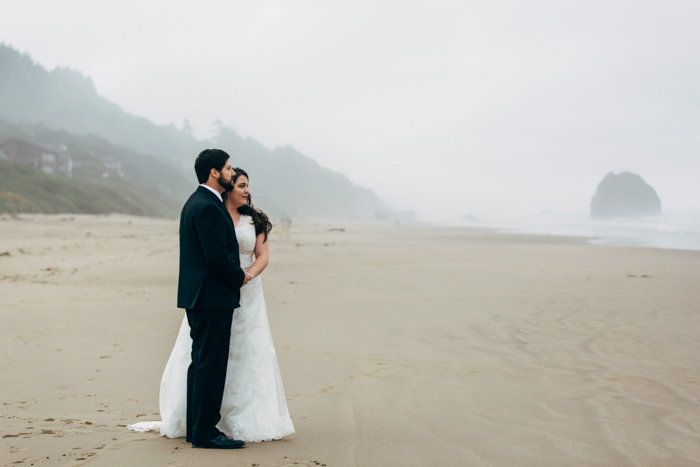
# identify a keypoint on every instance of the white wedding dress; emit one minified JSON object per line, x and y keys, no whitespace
{"x":253,"y":407}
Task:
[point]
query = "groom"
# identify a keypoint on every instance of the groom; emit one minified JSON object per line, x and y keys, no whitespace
{"x":209,"y":289}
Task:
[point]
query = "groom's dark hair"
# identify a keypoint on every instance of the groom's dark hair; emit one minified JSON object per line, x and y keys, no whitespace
{"x":207,"y":160}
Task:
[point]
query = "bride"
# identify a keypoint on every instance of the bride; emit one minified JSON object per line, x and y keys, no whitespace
{"x":253,"y":407}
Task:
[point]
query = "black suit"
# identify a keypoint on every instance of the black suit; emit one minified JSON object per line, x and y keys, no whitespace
{"x":210,"y":269}
{"x":209,"y":289}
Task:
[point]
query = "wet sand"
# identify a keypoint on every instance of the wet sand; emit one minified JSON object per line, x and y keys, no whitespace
{"x":410,"y":345}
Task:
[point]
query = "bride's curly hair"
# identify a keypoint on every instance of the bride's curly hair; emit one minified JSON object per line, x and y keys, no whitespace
{"x":260,"y":220}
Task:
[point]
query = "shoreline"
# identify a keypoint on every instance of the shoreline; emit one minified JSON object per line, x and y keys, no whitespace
{"x":493,"y":228}
{"x":671,"y":233}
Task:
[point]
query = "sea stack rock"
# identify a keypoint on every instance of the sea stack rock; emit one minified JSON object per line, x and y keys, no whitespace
{"x":624,"y":195}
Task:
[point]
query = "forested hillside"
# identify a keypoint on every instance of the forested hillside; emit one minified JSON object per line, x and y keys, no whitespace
{"x":61,"y":107}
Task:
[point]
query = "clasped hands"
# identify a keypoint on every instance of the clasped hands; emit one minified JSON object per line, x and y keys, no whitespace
{"x":247,"y":278}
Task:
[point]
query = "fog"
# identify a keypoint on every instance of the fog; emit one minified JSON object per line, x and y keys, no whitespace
{"x":450,"y":108}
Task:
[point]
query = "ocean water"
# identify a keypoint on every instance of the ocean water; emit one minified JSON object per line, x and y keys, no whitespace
{"x":672,"y":231}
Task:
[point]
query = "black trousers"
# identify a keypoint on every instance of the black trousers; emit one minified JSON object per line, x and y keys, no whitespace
{"x":210,"y":331}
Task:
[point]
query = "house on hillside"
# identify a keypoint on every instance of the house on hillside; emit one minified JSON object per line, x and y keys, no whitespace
{"x":46,"y":160}
{"x":113,"y":164}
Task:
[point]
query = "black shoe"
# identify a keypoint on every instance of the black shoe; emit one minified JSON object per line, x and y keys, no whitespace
{"x":220,"y":442}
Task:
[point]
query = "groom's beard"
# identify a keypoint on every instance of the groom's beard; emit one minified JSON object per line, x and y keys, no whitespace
{"x":226,"y":185}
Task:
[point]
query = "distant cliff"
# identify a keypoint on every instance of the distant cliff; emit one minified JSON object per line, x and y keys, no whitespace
{"x":624,"y":195}
{"x":66,"y":99}
{"x":62,"y":108}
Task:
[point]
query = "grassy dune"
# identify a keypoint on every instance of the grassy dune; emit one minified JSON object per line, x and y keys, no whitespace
{"x":24,"y":189}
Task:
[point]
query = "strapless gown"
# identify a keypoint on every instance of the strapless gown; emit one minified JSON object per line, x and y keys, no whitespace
{"x":254,"y":406}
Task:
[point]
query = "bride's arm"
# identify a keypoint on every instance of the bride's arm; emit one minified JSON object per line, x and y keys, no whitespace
{"x":262,"y":255}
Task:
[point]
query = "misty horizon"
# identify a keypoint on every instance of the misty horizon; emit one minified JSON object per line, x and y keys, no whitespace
{"x":449,"y":109}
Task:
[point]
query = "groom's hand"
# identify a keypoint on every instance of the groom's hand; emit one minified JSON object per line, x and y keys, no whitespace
{"x":246,"y":279}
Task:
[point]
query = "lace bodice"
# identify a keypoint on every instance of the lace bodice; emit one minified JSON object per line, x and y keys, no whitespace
{"x":245,"y":233}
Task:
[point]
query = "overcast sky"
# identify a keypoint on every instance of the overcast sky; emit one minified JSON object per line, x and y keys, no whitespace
{"x":448,"y":107}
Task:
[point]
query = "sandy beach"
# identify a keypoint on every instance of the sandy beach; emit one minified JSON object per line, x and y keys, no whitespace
{"x":408,"y":345}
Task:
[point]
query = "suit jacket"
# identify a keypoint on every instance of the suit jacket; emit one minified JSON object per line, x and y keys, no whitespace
{"x":210,"y":271}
